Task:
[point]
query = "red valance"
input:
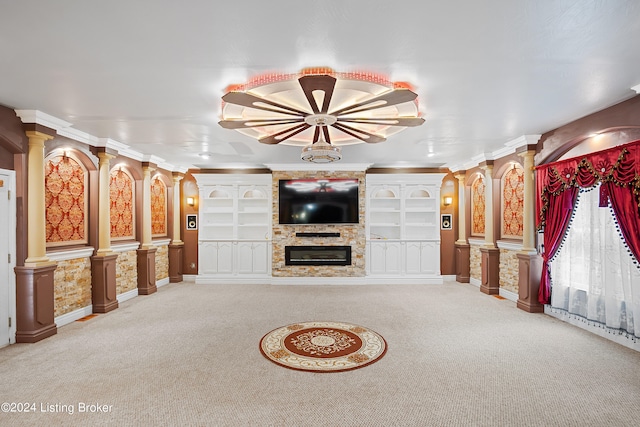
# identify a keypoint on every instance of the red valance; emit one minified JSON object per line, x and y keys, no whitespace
{"x":619,"y":165}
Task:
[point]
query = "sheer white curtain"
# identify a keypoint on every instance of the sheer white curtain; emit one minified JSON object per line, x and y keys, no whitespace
{"x":593,"y":275}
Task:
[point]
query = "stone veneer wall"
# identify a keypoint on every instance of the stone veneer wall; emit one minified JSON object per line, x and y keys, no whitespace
{"x":475,"y":263}
{"x":126,"y":272}
{"x":72,"y":285}
{"x":162,"y":262}
{"x":350,"y":235}
{"x":509,"y":270}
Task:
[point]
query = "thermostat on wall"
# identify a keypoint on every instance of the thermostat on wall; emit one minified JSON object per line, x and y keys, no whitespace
{"x":192,"y":222}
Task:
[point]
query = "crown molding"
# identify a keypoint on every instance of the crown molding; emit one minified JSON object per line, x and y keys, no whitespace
{"x":636,"y":88}
{"x":78,"y":135}
{"x":122,"y":149}
{"x":40,"y":118}
{"x":509,"y":148}
{"x":359,"y":167}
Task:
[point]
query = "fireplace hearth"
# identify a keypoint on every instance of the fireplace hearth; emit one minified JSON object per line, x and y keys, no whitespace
{"x":317,"y":255}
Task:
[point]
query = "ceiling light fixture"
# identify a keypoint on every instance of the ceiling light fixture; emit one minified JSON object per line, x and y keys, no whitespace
{"x":320,"y":110}
{"x":321,"y":152}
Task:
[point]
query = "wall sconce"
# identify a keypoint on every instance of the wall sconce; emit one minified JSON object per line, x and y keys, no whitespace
{"x":191,"y":201}
{"x":448,"y":200}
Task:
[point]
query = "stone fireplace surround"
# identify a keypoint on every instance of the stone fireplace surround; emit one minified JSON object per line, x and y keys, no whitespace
{"x":352,"y":235}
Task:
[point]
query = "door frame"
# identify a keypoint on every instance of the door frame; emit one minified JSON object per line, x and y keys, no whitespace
{"x":9,"y":177}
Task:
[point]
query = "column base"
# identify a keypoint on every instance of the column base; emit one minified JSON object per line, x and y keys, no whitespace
{"x":490,"y":283}
{"x":35,"y":303}
{"x":175,"y":262}
{"x":529,"y":272}
{"x":103,"y":283}
{"x":463,"y":267}
{"x":147,"y":271}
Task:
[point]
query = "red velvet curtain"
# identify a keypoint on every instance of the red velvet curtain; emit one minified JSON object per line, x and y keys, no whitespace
{"x":558,"y":183}
{"x":558,"y":215}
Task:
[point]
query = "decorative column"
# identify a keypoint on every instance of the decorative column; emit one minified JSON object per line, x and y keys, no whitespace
{"x":176,"y":247}
{"x":529,"y":262}
{"x":147,"y":252}
{"x":37,"y":224}
{"x":463,"y":249}
{"x":34,"y":280}
{"x":490,"y":283}
{"x":103,"y":263}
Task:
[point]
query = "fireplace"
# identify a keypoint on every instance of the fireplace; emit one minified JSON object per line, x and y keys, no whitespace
{"x":317,"y":255}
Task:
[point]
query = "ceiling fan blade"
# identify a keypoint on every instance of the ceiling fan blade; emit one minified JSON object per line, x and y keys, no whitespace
{"x":372,"y":138}
{"x":398,"y":121}
{"x":248,"y":100}
{"x":325,"y":84}
{"x":288,"y":133}
{"x":247,"y":124}
{"x":396,"y":96}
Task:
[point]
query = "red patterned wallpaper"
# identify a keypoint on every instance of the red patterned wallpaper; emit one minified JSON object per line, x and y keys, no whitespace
{"x":158,"y":208}
{"x":477,"y":206}
{"x":121,"y":198}
{"x":512,"y":202}
{"x":65,"y":186}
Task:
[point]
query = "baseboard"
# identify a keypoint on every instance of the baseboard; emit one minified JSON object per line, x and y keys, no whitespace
{"x":189,"y":277}
{"x":365,"y":280}
{"x":449,"y":277}
{"x":162,"y":282}
{"x":475,"y":282}
{"x":593,"y":327}
{"x":127,"y":295}
{"x":511,"y":296}
{"x":71,"y":317}
{"x":231,"y":280}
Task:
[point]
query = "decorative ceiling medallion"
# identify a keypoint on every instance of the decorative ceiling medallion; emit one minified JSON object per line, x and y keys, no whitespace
{"x":323,"y":346}
{"x":320,"y":109}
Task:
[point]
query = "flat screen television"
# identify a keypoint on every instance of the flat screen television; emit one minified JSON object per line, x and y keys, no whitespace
{"x":318,"y":201}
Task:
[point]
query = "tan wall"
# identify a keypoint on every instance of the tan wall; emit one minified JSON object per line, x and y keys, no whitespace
{"x":126,"y":272}
{"x":509,"y":265}
{"x":448,"y":237}
{"x":162,"y":262}
{"x":72,"y":285}
{"x":189,"y":188}
{"x":350,"y":235}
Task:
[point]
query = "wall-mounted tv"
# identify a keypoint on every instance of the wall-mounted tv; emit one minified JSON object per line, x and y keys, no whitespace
{"x":318,"y":201}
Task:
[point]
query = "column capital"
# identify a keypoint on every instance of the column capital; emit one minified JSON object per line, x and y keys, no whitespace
{"x":104,"y":156}
{"x":177,"y":176}
{"x":148,"y":167}
{"x":529,"y":154}
{"x":488,"y":169}
{"x":37,"y":136}
{"x":460,"y":176}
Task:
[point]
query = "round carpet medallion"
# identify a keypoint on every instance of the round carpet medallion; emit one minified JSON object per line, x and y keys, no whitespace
{"x":323,"y":346}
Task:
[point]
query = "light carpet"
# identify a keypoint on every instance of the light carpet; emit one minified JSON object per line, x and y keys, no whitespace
{"x":187,"y":355}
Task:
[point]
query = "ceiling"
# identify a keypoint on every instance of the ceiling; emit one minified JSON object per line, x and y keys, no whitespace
{"x":150,"y":74}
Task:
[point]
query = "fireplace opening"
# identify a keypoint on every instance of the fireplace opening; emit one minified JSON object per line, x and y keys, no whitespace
{"x":317,"y":255}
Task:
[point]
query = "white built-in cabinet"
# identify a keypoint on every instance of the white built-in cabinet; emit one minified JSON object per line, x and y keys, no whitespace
{"x":403,"y":225}
{"x":234,"y":236}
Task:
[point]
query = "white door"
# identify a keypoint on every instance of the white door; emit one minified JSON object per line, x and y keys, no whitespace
{"x":7,"y":257}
